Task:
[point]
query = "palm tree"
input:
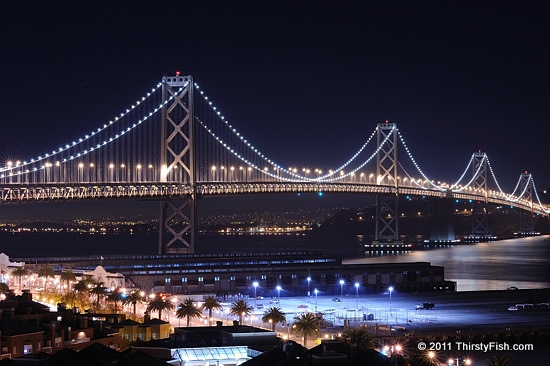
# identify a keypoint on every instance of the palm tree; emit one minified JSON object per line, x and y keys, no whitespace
{"x":115,"y":296}
{"x":81,"y":290}
{"x":99,"y":290}
{"x":4,"y":288}
{"x":159,"y":304}
{"x":500,"y":360}
{"x":84,"y":285}
{"x":46,"y":272}
{"x":307,"y":324}
{"x":274,"y":316}
{"x":19,"y":272}
{"x":360,"y":338}
{"x":240,"y":308}
{"x":188,"y":309}
{"x":211,"y":303}
{"x":81,"y":287}
{"x":132,"y":298}
{"x":67,"y":276}
{"x":71,"y":297}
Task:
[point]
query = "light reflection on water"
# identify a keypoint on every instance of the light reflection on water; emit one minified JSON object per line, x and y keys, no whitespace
{"x":523,"y":263}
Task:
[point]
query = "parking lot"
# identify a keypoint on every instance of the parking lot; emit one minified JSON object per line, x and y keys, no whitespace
{"x":458,"y":311}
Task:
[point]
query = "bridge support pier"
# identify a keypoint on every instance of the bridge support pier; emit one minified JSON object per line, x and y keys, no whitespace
{"x":177,"y":226}
{"x":443,"y":229}
{"x":387,"y":219}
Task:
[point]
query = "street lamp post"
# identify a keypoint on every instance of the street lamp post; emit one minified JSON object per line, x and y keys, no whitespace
{"x":278,"y":294}
{"x":357,"y":295}
{"x":342,"y":287}
{"x":316,"y":291}
{"x":255,"y":284}
{"x":308,"y":282}
{"x":390,"y":289}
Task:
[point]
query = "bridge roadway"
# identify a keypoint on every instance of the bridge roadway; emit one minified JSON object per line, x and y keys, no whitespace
{"x":21,"y":192}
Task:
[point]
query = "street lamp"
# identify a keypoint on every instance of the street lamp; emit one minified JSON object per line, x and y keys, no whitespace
{"x":390,"y":289}
{"x":278,"y":294}
{"x":316,"y":291}
{"x":255,"y":284}
{"x":342,"y":287}
{"x":357,"y":294}
{"x":308,"y":281}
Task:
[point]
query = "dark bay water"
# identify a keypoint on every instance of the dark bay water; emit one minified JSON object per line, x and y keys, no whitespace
{"x":524,"y":263}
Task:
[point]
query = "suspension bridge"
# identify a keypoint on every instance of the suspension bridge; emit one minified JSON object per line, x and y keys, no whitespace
{"x":175,"y":146}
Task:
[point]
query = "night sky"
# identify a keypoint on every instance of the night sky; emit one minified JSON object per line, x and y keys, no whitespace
{"x":305,"y":81}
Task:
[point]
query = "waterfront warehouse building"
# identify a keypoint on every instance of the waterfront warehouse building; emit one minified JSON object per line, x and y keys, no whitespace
{"x":235,"y":273}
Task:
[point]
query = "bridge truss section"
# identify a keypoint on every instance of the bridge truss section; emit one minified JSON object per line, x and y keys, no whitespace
{"x":178,"y":217}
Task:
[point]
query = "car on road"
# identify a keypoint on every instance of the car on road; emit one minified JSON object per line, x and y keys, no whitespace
{"x":259,"y":306}
{"x":273,"y":301}
{"x":335,"y":299}
{"x":426,"y":305}
{"x":329,"y":311}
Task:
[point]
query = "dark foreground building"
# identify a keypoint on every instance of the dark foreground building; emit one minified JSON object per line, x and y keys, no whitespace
{"x":232,"y":273}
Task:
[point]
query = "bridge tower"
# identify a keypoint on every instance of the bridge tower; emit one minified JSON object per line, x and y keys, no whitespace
{"x":178,"y":218}
{"x":526,"y":224}
{"x":480,"y":213}
{"x":387,"y":205}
